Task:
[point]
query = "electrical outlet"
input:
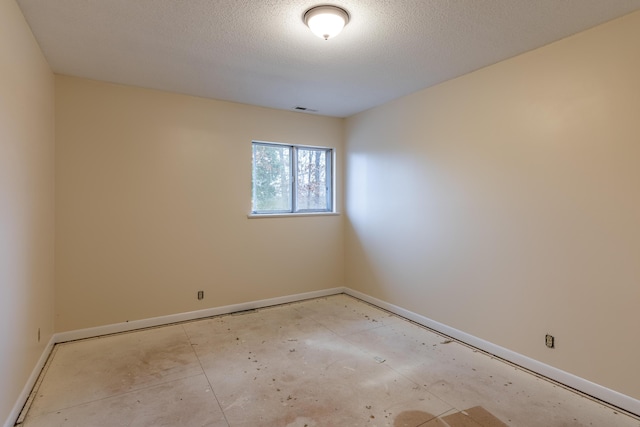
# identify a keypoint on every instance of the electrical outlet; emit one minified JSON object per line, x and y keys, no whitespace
{"x":549,"y":341}
{"x":200,"y":294}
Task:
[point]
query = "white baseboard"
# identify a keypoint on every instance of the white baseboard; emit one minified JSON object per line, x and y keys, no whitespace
{"x":191,"y":315}
{"x":26,"y":390}
{"x":602,"y":393}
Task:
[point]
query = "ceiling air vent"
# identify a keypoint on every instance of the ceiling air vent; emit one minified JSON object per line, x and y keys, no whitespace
{"x":310,"y":110}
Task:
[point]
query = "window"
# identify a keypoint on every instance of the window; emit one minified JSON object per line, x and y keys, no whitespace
{"x":291,"y":179}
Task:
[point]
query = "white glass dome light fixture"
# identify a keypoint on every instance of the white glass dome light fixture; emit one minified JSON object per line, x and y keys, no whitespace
{"x":326,"y":21}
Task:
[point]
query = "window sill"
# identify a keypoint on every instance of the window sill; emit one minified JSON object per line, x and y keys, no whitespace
{"x":285,"y":215}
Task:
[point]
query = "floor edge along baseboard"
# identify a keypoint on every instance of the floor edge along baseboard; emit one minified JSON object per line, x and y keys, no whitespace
{"x":133,"y":325}
{"x":606,"y":395}
{"x":611,"y":397}
{"x":31,"y":382}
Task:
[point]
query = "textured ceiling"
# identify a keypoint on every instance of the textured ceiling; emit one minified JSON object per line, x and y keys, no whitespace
{"x":260,"y":52}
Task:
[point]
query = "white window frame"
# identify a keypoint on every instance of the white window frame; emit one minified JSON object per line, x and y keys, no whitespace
{"x":293,"y":167}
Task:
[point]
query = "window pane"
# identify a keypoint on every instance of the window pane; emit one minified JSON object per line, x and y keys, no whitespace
{"x":312,"y":179}
{"x":271,"y":178}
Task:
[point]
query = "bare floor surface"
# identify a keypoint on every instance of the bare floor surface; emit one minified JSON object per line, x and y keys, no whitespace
{"x":333,"y":361}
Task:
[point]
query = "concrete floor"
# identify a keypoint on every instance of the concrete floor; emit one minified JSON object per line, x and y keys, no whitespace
{"x":332,"y":361}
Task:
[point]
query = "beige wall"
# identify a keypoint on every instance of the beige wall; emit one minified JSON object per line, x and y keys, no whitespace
{"x":153,"y":192}
{"x":506,"y":203}
{"x":26,"y":204}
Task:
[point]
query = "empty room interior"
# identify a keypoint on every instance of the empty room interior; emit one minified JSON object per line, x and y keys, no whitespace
{"x":462,"y":249}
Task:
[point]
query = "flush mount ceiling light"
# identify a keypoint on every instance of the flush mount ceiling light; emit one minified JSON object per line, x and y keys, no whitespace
{"x":326,"y":21}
